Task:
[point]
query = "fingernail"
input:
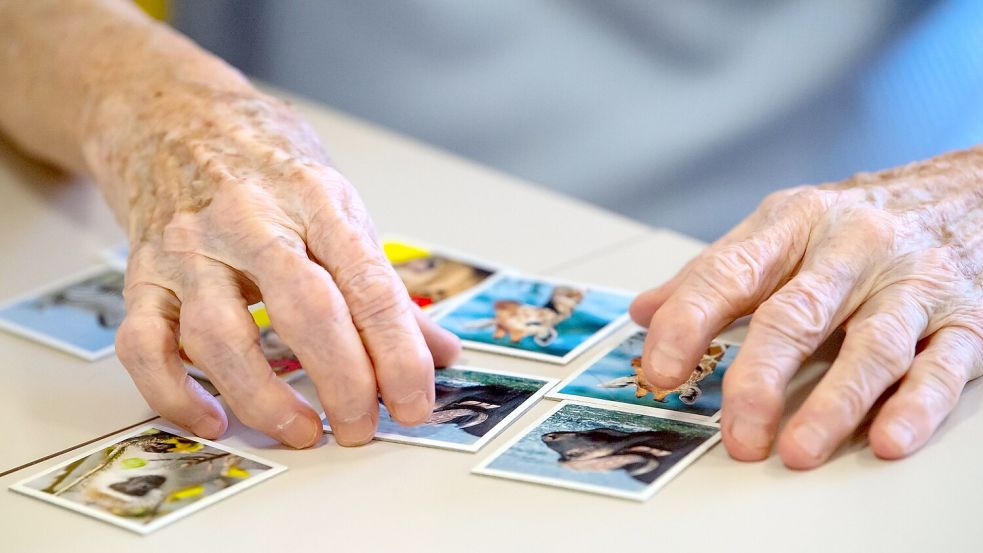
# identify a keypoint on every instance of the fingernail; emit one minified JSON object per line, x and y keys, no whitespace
{"x":901,"y":433}
{"x":355,"y":430}
{"x":751,"y":434}
{"x":666,"y":364}
{"x":298,"y":432}
{"x":412,"y":408}
{"x":207,"y":426}
{"x":811,"y":439}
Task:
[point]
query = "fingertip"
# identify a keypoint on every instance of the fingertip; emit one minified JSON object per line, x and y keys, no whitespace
{"x":209,"y":426}
{"x":301,"y":430}
{"x":666,"y":366}
{"x":747,"y":438}
{"x":893,"y":439}
{"x":803,"y":446}
{"x":740,"y":452}
{"x":444,"y":346}
{"x":412,"y":409}
{"x":354,"y":431}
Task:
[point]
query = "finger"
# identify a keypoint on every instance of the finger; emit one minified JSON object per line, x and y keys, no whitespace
{"x":444,"y":346}
{"x":147,"y":345}
{"x":719,"y":289}
{"x":309,"y":313}
{"x":784,"y":331}
{"x":928,"y":393}
{"x":644,"y":306}
{"x":788,"y":328}
{"x":380,"y":306}
{"x":220,"y":337}
{"x":878,"y":349}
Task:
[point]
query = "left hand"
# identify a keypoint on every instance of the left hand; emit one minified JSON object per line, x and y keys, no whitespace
{"x":895,"y":257}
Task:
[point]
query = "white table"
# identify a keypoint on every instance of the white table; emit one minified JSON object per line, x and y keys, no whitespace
{"x":392,"y":497}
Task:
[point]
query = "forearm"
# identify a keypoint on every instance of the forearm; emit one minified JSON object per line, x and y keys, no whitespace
{"x":77,"y":73}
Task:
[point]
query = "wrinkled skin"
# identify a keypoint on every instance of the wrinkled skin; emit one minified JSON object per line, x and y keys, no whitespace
{"x":229,"y":199}
{"x":894,"y":257}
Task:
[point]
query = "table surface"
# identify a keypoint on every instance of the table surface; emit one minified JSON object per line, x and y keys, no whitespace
{"x":394,"y":497}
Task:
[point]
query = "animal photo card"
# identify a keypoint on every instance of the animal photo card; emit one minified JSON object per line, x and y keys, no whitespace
{"x":616,"y":379}
{"x":433,"y":275}
{"x":78,"y":315}
{"x":471,"y":407}
{"x":615,"y":452}
{"x":148,"y":478}
{"x":281,"y":358}
{"x":535,"y":318}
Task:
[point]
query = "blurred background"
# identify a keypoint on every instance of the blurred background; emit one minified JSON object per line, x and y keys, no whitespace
{"x":679,"y":114}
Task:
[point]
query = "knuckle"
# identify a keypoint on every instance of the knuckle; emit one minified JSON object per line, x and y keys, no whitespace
{"x":875,"y":227}
{"x":140,"y":343}
{"x":796,"y":314}
{"x":941,"y":386}
{"x":374,"y":293}
{"x":852,"y":398}
{"x":886,"y":341}
{"x":734,"y":272}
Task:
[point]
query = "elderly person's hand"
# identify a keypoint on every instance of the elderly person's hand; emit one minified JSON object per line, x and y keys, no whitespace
{"x":228,"y":198}
{"x":894,"y":257}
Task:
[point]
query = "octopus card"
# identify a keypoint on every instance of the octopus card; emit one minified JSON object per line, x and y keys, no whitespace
{"x":616,"y":452}
{"x":535,"y":318}
{"x":616,"y":379}
{"x":281,"y":358}
{"x":471,"y":407}
{"x":432,"y":275}
{"x":79,"y":315}
{"x":148,"y":478}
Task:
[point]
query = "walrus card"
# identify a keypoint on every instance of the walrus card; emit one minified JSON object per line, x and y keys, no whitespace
{"x":471,"y":407}
{"x":617,"y":452}
{"x":148,"y":478}
{"x":432,"y":275}
{"x":281,"y":358}
{"x":78,"y":315}
{"x":535,"y":318}
{"x":615,"y":378}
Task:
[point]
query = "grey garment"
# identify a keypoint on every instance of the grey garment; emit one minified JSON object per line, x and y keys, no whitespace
{"x":681,"y":114}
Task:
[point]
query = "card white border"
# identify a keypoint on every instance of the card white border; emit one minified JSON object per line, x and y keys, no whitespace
{"x":521,"y":409}
{"x":144,"y":529}
{"x":535,"y":355}
{"x":556,"y":395}
{"x":434,"y":308}
{"x":45,"y":339}
{"x":109,"y":257}
{"x":482,"y":468}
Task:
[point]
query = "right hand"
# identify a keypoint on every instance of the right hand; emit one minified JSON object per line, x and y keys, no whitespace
{"x":228,"y":198}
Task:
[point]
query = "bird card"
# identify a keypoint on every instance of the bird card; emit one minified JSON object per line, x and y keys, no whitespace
{"x":615,"y":379}
{"x":535,"y":318}
{"x":432,"y":275}
{"x":148,"y":478}
{"x":471,"y":407}
{"x":616,"y":452}
{"x":78,"y":315}
{"x":281,"y":358}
